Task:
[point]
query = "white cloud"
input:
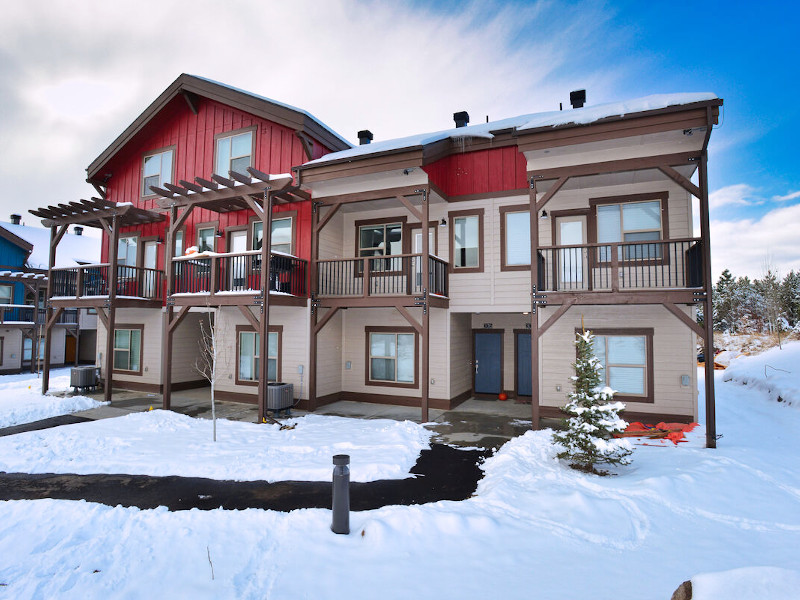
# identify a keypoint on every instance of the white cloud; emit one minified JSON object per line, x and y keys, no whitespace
{"x":738,"y":194}
{"x":744,"y":245}
{"x":790,"y":196}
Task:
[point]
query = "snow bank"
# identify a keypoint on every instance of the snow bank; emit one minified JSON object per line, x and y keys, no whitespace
{"x":752,"y":583}
{"x":21,"y":400}
{"x":166,"y":443}
{"x":776,"y":372}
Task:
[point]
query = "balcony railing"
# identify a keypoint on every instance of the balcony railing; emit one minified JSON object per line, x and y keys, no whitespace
{"x":396,"y":275}
{"x":93,"y":280}
{"x":238,"y":273}
{"x":622,"y":266}
{"x":24,"y":313}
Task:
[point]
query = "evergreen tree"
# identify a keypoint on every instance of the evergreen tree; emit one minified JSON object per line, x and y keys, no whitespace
{"x":588,"y":439}
{"x":790,"y":297}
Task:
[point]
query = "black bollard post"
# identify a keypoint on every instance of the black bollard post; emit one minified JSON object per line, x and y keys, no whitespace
{"x":341,"y":494}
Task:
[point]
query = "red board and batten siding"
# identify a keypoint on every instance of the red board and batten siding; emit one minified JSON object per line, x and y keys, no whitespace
{"x":277,"y":150}
{"x":480,"y":172}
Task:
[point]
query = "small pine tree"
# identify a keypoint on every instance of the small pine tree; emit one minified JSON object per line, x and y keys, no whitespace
{"x":588,"y":439}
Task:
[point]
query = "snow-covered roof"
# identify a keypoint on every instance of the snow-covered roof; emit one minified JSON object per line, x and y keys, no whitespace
{"x":577,"y":116}
{"x":72,"y":249}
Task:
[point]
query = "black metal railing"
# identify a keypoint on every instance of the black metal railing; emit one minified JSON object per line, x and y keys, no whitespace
{"x":94,"y":280}
{"x":624,"y":265}
{"x":19,"y":313}
{"x":238,"y":273}
{"x":396,"y":275}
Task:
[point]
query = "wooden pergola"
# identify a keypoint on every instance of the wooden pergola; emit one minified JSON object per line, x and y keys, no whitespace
{"x":256,"y":191}
{"x":110,"y":217}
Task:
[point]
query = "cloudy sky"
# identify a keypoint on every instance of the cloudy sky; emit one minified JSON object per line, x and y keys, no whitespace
{"x":74,"y":74}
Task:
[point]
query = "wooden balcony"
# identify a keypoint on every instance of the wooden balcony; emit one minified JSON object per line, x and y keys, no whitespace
{"x":623,"y":269}
{"x":234,"y":278}
{"x":376,"y":278}
{"x":85,"y":285}
{"x":27,"y":315}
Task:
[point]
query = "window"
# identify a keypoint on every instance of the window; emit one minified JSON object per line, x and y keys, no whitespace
{"x":391,"y":357}
{"x":205,"y":239}
{"x":515,"y":238}
{"x":466,"y":241}
{"x":381,"y":240}
{"x":27,"y":348}
{"x":157,"y":171}
{"x":633,"y":221}
{"x":249,"y":359}
{"x":281,"y":235}
{"x":626,"y":357}
{"x":126,"y":251}
{"x":128,"y":349}
{"x":234,"y":153}
{"x":179,"y":243}
{"x":6,"y":294}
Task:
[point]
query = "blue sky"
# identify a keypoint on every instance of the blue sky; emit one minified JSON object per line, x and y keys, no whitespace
{"x":73,"y":74}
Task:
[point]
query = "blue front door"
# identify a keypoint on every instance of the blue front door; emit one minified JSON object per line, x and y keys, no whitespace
{"x":488,"y":362}
{"x":523,"y":352}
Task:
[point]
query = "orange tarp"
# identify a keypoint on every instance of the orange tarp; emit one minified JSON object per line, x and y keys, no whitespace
{"x":670,"y":431}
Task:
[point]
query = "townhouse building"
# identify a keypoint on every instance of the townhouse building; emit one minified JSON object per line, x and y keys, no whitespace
{"x":401,"y":271}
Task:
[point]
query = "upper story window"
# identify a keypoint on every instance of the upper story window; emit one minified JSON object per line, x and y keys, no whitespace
{"x":639,"y":220}
{"x":234,"y":153}
{"x":205,"y":239}
{"x":179,"y":242}
{"x":157,"y":170}
{"x":126,"y":251}
{"x":516,"y":229}
{"x":381,"y":240}
{"x":6,"y":294}
{"x":281,"y":235}
{"x":466,"y":240}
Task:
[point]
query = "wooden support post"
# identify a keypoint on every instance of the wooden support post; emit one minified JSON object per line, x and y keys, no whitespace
{"x":166,"y":342}
{"x":56,"y":233}
{"x":316,"y":227}
{"x":534,"y":224}
{"x":708,"y":310}
{"x":113,"y":243}
{"x":426,"y":310}
{"x":266,"y":274}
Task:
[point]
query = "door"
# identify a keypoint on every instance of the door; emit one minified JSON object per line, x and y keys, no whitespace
{"x":571,"y":231}
{"x":70,"y":350}
{"x":150,"y":252}
{"x":488,"y":362}
{"x":418,"y":250}
{"x":522,"y":351}
{"x":237,"y":243}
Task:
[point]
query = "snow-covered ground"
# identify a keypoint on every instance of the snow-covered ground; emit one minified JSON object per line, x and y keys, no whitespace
{"x":727,"y":518}
{"x":21,"y":400}
{"x":166,"y":443}
{"x":775,"y":372}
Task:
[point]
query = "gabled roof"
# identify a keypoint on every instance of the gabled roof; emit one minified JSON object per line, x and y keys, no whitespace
{"x":191,"y":86}
{"x":7,"y":234}
{"x":520,"y":125}
{"x":72,"y":249}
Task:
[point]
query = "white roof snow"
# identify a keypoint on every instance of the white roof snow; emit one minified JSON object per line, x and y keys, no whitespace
{"x":72,"y":249}
{"x":578,"y":116}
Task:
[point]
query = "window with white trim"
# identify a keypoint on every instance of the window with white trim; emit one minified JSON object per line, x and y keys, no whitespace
{"x":281,"y":235}
{"x":466,"y":241}
{"x":624,"y":361}
{"x":391,"y":357}
{"x":205,"y":239}
{"x":156,"y":171}
{"x":517,"y":238}
{"x":381,"y":240}
{"x":249,"y":358}
{"x":6,"y":294}
{"x":127,"y":251}
{"x":127,"y":349}
{"x":630,"y":222}
{"x":234,"y":153}
{"x":179,"y":243}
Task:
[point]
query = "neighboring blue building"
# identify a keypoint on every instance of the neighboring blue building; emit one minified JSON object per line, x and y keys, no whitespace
{"x":24,"y":254}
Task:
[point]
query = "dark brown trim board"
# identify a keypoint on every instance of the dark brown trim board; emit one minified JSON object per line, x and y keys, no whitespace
{"x":451,"y":216}
{"x":390,"y":329}
{"x":554,"y":412}
{"x":132,"y":326}
{"x":503,"y":211}
{"x":648,"y":333}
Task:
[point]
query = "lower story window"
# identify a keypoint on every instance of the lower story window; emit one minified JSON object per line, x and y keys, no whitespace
{"x":127,"y":349}
{"x":392,"y":357}
{"x":627,"y":362}
{"x":249,"y":358}
{"x":27,"y":349}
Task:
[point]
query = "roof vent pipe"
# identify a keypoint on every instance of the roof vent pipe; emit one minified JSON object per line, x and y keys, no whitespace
{"x":15,"y":219}
{"x":77,"y":230}
{"x":364,"y":136}
{"x":577,"y":98}
{"x":461,"y":118}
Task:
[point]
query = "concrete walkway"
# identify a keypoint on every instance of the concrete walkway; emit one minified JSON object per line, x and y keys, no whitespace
{"x":474,"y":423}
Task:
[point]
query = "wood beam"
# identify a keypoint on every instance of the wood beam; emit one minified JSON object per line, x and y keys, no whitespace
{"x":198,"y":189}
{"x":191,"y":100}
{"x":708,"y":308}
{"x":251,"y":318}
{"x":617,"y":166}
{"x":179,"y":317}
{"x":324,"y":321}
{"x":206,"y":183}
{"x":410,"y":318}
{"x":555,"y":317}
{"x":101,"y":314}
{"x":333,"y":209}
{"x":176,"y":189}
{"x":425,"y":354}
{"x":411,"y":208}
{"x":241,"y":177}
{"x":682,"y":181}
{"x":687,"y":320}
{"x":307,"y":142}
{"x":410,"y":190}
{"x":550,"y":193}
{"x":534,"y":241}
